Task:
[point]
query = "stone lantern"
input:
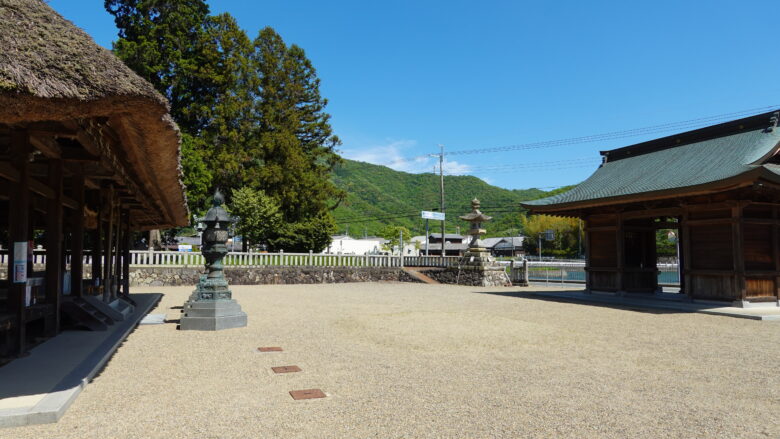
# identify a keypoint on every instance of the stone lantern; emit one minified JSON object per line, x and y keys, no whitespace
{"x":211,"y":306}
{"x":476,"y":218}
{"x":478,"y":267}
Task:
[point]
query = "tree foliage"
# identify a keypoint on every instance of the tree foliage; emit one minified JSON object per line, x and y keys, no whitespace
{"x":393,"y":236}
{"x":258,"y":214}
{"x":298,"y":153}
{"x":250,"y":111}
{"x":566,"y":232}
{"x":302,"y":236}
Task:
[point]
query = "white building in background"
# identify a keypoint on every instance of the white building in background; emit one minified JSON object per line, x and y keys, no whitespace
{"x":347,"y":245}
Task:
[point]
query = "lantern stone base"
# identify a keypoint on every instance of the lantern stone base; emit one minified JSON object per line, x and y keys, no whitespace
{"x":212,"y":315}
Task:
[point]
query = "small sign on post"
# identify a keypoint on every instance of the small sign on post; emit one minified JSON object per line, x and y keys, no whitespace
{"x":549,"y":235}
{"x":20,"y":262}
{"x":438,"y":216}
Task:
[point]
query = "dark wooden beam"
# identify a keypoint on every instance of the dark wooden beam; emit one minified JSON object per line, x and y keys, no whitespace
{"x":51,"y":129}
{"x":18,"y":231}
{"x":738,"y":252}
{"x":54,"y":240}
{"x":97,"y":241}
{"x":126,"y":243}
{"x":8,"y":171}
{"x":46,"y":145}
{"x":78,"y":155}
{"x":77,"y":239}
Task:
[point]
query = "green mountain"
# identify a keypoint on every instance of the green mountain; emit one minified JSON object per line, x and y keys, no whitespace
{"x":379,"y":196}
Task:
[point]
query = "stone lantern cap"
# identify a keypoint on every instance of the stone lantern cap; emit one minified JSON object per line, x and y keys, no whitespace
{"x":475,"y":216}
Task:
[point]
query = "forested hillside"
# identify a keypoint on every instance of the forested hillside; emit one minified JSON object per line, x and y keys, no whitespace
{"x":380,"y":196}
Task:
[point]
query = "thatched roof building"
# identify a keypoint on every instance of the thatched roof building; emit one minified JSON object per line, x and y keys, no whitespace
{"x":52,"y":71}
{"x":87,"y":150}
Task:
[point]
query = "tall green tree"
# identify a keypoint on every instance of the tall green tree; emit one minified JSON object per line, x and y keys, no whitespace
{"x":297,"y":140}
{"x":202,"y":64}
{"x":224,"y":111}
{"x":157,"y":39}
{"x":251,"y":112}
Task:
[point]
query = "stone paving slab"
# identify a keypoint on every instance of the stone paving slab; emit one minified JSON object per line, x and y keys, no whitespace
{"x":39,"y":388}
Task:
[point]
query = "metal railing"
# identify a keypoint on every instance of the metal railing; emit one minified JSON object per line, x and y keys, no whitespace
{"x":574,"y":272}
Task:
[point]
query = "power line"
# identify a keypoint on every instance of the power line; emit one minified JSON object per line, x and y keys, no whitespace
{"x":613,"y":135}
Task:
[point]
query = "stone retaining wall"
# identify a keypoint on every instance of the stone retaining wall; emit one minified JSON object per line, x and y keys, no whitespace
{"x":471,"y":277}
{"x":162,"y":276}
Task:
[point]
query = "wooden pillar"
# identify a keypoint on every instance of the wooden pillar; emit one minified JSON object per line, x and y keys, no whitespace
{"x":107,"y":281}
{"x":54,"y":246}
{"x":776,"y":251}
{"x":97,"y":243}
{"x":77,"y":238}
{"x":588,"y":281}
{"x":18,"y":231}
{"x":620,"y":249}
{"x":738,"y":252}
{"x":117,"y":260}
{"x":684,"y":246}
{"x":127,"y":237}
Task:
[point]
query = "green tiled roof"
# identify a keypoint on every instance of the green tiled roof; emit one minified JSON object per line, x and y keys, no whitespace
{"x":670,"y":167}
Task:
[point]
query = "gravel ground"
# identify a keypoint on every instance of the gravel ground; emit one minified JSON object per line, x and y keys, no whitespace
{"x":413,"y":361}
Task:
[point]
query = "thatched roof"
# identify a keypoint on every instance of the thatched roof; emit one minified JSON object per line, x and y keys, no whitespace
{"x":50,"y":70}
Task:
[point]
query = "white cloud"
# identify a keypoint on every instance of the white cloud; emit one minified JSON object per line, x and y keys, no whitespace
{"x":455,"y":168}
{"x":403,"y":155}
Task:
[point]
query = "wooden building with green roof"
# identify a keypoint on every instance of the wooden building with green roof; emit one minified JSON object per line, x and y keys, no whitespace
{"x":719,"y":186}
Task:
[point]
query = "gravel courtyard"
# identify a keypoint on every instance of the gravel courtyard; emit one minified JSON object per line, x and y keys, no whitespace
{"x":414,"y":361}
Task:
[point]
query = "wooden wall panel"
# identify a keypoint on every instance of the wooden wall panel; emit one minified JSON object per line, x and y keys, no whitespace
{"x":758,"y":211}
{"x":711,"y":247}
{"x":760,"y":287}
{"x":603,"y":280}
{"x":602,"y":249}
{"x":758,"y":247}
{"x":641,"y":281}
{"x":713,"y":287}
{"x":602,"y":220}
{"x":709,"y":214}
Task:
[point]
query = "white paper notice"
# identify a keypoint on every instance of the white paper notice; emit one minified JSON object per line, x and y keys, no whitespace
{"x":20,"y":262}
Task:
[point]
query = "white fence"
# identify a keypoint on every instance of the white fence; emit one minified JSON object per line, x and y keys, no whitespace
{"x":241,"y":259}
{"x":145,"y":258}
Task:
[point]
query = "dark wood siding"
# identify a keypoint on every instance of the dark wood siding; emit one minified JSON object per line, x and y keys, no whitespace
{"x":711,"y":247}
{"x":603,"y":247}
{"x":758,"y":247}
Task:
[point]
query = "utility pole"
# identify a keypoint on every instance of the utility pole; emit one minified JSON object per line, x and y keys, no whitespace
{"x":441,"y":174}
{"x":427,"y":236}
{"x":347,"y":229}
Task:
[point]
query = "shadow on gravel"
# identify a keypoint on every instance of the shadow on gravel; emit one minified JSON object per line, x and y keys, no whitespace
{"x":564,"y":298}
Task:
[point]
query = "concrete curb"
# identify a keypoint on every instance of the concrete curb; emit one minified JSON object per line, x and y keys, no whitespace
{"x":51,"y":408}
{"x":664,"y":305}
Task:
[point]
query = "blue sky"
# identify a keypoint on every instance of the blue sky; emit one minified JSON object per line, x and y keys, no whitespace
{"x":405,"y":76}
